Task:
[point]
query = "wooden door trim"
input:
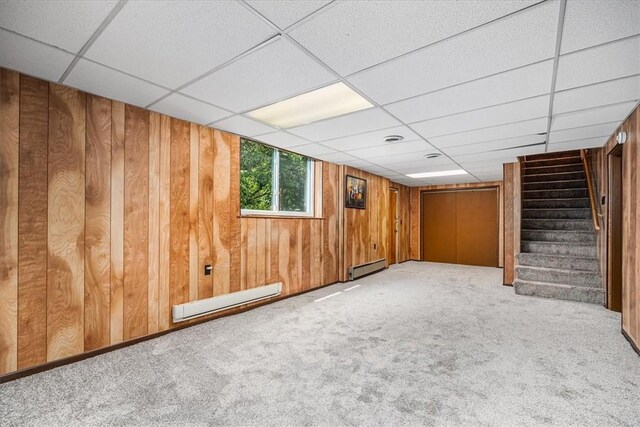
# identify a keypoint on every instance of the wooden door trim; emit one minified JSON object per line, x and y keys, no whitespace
{"x":614,"y":151}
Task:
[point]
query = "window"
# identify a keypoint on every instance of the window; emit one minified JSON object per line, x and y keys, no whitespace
{"x":274,"y":181}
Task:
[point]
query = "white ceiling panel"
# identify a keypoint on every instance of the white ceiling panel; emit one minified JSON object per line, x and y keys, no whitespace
{"x":592,"y":22}
{"x":577,"y":144}
{"x":99,"y":80}
{"x":612,"y":92}
{"x":171,"y":43}
{"x":461,"y":179}
{"x":427,"y":167}
{"x":593,"y":131}
{"x":185,"y":108}
{"x":356,"y":34}
{"x":286,"y":13}
{"x":611,"y":113}
{"x":282,"y":139}
{"x":517,"y":111}
{"x":32,"y":58}
{"x":500,"y":144}
{"x":392,"y":149}
{"x":274,"y":72}
{"x":525,"y":82}
{"x":371,"y":139}
{"x":242,"y":126}
{"x":65,"y":24}
{"x":598,"y":64}
{"x":484,"y":169}
{"x":529,"y":127}
{"x":486,"y":177}
{"x":502,"y":155}
{"x":337,"y":157}
{"x":312,"y":150}
{"x":349,"y":124}
{"x":515,"y":41}
{"x":410,"y":160}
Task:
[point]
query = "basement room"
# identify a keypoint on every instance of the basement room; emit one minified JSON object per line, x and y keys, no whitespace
{"x":319,"y":212}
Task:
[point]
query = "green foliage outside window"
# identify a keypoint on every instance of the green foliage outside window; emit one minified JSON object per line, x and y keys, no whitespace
{"x":293,"y":182}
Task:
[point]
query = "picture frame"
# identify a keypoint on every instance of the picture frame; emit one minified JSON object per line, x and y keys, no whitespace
{"x":355,"y":192}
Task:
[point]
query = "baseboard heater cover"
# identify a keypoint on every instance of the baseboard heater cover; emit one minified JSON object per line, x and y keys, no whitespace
{"x":203,"y":307}
{"x":360,"y":270}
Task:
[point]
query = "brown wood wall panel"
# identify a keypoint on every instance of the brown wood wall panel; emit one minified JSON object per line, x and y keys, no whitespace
{"x":66,"y":210}
{"x":511,"y":220}
{"x":415,"y":223}
{"x":233,"y":238}
{"x":194,"y":194}
{"x":9,"y":171}
{"x":153,"y":268}
{"x":117,"y":223}
{"x":97,"y":273}
{"x":331,"y":204}
{"x":205,"y":211}
{"x":164,"y":255}
{"x":32,"y":222}
{"x":221,"y":232}
{"x":136,"y":222}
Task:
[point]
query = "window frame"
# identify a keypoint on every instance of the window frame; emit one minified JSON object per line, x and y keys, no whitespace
{"x":275,"y":187}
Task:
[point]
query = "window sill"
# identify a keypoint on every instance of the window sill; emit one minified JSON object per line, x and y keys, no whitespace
{"x":275,"y":216}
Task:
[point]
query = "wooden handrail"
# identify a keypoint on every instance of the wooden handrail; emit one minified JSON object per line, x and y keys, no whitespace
{"x":584,"y":155}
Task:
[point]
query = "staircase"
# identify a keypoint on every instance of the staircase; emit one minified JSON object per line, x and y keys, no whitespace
{"x":558,"y":254}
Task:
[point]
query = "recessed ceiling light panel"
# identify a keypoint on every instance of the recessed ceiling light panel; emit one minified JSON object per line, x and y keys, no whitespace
{"x":330,"y":101}
{"x":438,"y":173}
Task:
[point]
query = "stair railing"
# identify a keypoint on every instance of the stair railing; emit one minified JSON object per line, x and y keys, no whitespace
{"x":586,"y":164}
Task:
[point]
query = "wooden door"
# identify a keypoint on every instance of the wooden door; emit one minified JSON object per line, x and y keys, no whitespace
{"x":460,"y":227}
{"x":393,"y":226}
{"x":614,"y":230}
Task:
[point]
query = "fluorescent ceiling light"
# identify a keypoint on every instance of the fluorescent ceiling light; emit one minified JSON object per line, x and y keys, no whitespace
{"x":439,"y":173}
{"x":329,"y":101}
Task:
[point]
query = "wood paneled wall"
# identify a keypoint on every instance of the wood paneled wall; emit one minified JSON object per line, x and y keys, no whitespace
{"x":416,"y":214}
{"x":404,"y":226}
{"x":512,"y":199}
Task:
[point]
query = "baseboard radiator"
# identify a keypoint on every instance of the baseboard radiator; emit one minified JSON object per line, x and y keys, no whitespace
{"x":356,"y":271}
{"x":203,"y":307}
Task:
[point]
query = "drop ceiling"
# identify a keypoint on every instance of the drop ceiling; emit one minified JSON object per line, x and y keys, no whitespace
{"x":479,"y":82}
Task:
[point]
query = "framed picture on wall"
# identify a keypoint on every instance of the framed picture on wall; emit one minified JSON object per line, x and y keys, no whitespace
{"x":355,"y":193}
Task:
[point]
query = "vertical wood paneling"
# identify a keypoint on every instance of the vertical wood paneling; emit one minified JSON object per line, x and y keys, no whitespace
{"x":164,"y":255}
{"x":136,"y":222}
{"x":32,"y":222}
{"x":66,"y":210}
{"x":415,"y":223}
{"x":154,"y":224}
{"x":261,"y":252}
{"x":117,"y":223}
{"x":234,"y":207}
{"x":275,"y":251}
{"x":331,"y":204}
{"x":9,"y":171}
{"x":221,"y":213}
{"x":284,"y":267}
{"x":194,"y":193}
{"x":179,"y":246}
{"x":205,"y":210}
{"x":97,"y":280}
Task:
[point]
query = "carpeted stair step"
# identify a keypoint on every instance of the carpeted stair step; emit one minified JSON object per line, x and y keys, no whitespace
{"x":566,"y":176}
{"x":564,"y":236}
{"x":572,"y":160}
{"x":565,"y":193}
{"x":555,"y":203}
{"x":558,"y":291}
{"x":560,"y":276}
{"x":553,"y":185}
{"x":558,"y":261}
{"x":555,"y":248}
{"x":557,"y":224}
{"x":545,"y":170}
{"x":566,"y":213}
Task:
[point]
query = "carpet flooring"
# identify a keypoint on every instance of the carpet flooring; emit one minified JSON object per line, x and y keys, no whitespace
{"x":417,"y":344}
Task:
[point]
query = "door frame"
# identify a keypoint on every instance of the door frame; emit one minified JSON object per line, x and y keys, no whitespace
{"x":615,"y":152}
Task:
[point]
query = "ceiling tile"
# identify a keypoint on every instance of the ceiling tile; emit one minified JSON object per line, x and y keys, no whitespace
{"x":31,"y":57}
{"x":349,"y":124}
{"x":592,"y":116}
{"x":171,"y":43}
{"x":185,"y":108}
{"x":529,"y":127}
{"x":426,"y":168}
{"x":517,"y":111}
{"x":276,"y":71}
{"x":525,"y":82}
{"x":462,"y":179}
{"x":612,"y":92}
{"x":578,"y":144}
{"x":500,"y":144}
{"x":600,"y":130}
{"x":592,"y":22}
{"x":392,"y":149}
{"x":371,"y":139}
{"x":502,"y":155}
{"x":486,"y":177}
{"x":242,"y":126}
{"x":281,"y":139}
{"x":484,"y":169}
{"x":286,"y":13}
{"x":337,"y":157}
{"x":356,"y":34}
{"x":411,"y":160}
{"x":312,"y":150}
{"x":99,"y":80}
{"x":65,"y":24}
{"x":598,"y":64}
{"x":515,"y":41}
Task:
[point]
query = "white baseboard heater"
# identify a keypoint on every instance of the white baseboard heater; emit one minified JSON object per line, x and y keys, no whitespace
{"x":360,"y":270}
{"x":203,"y":307}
